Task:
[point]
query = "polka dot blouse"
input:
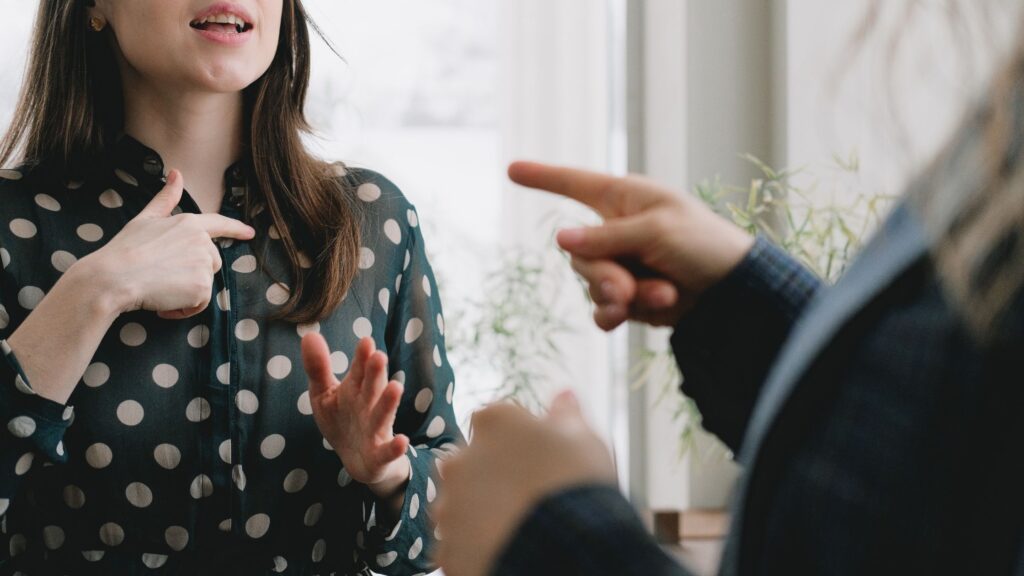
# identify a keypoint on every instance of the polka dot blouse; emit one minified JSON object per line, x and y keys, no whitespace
{"x":189,"y":446}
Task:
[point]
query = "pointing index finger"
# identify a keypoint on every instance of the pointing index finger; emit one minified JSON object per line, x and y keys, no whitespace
{"x":219,"y":226}
{"x":599,"y":191}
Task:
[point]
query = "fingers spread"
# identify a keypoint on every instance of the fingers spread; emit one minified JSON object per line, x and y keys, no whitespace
{"x":374,"y":377}
{"x":316,"y":359}
{"x":387,"y":407}
{"x":356,"y":372}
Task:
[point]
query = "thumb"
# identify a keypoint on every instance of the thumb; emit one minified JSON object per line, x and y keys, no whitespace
{"x":166,"y":200}
{"x":565,"y":408}
{"x":316,"y":359}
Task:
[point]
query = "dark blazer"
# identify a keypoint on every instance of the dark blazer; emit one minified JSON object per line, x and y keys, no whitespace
{"x":876,"y":435}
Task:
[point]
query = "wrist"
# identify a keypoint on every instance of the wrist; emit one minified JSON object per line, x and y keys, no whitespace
{"x":395,"y":479}
{"x":94,"y":278}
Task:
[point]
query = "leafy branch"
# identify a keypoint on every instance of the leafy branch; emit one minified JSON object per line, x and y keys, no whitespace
{"x":824,"y":229}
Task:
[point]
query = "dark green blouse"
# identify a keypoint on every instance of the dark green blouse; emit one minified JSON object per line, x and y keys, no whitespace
{"x":189,"y":446}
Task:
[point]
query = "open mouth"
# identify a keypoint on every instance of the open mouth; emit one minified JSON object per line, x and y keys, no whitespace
{"x":222,"y":23}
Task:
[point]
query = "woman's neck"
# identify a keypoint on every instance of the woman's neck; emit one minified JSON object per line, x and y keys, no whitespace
{"x":200,"y":134}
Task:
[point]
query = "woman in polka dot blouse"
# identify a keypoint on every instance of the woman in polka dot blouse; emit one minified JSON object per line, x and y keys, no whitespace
{"x":233,"y":367}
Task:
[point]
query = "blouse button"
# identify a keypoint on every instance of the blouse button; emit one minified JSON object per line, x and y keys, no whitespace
{"x":237,"y":197}
{"x":153,"y":165}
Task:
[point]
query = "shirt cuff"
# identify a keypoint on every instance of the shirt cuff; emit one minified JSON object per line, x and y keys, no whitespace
{"x":583,"y":530}
{"x":409,"y":542}
{"x":27,"y":416}
{"x":768,"y":282}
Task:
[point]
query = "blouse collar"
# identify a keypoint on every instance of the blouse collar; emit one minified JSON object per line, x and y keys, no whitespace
{"x":137,"y":164}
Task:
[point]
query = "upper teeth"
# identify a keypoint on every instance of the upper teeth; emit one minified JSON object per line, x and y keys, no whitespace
{"x":222,"y":19}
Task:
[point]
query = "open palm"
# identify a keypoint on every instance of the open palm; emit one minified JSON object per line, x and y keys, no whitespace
{"x":356,"y":415}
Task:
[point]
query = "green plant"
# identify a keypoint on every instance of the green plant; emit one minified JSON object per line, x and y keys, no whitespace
{"x":823,"y":228}
{"x":510,"y":330}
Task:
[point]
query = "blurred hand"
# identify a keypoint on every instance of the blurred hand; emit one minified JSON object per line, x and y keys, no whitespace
{"x":356,"y":415}
{"x":513,"y":462}
{"x":656,"y":252}
{"x":165,"y":263}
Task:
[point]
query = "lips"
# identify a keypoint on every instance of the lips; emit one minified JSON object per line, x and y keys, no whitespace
{"x":223,"y":19}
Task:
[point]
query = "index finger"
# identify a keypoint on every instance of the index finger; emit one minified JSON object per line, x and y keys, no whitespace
{"x":218,"y":226}
{"x":594,"y":189}
{"x":317,"y":363}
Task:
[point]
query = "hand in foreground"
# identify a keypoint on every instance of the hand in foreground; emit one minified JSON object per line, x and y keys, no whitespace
{"x":682,"y":247}
{"x":164,"y":262}
{"x":356,"y":415}
{"x":513,"y":461}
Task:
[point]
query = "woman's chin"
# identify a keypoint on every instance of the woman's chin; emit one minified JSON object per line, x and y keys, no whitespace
{"x":222,"y":79}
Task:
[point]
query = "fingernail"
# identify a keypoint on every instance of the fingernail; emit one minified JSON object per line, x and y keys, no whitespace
{"x":571,"y":237}
{"x":608,"y":291}
{"x":614,"y":311}
{"x":663,"y":297}
{"x":567,"y":397}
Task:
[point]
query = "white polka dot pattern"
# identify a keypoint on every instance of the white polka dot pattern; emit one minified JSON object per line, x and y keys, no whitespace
{"x":176,"y":537}
{"x":96,"y":375}
{"x":257,"y":525}
{"x":47,"y":202}
{"x":245,"y":264}
{"x":74,"y":497}
{"x":62,"y":260}
{"x":111,"y":199}
{"x":90,"y":232}
{"x":99,"y":455}
{"x":198,"y":409}
{"x":279,"y":367}
{"x":165,"y":375}
{"x":176,"y":411}
{"x":368,"y":192}
{"x":111,"y":534}
{"x":362,"y":328}
{"x":167,"y":456}
{"x":339,"y":362}
{"x":272,"y":446}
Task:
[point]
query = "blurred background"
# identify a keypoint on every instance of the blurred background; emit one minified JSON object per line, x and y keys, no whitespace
{"x":776,"y":111}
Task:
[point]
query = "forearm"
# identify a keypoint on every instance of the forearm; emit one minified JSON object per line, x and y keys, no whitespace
{"x":728,"y":343}
{"x":56,"y":342}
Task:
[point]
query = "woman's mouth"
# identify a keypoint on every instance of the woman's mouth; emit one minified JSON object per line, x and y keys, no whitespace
{"x":222,"y":24}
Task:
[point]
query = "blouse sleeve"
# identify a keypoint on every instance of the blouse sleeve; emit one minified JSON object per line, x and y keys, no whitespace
{"x":33,"y":427}
{"x":417,"y":357}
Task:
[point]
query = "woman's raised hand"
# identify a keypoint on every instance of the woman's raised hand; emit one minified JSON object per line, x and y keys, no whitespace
{"x":356,"y":415}
{"x":656,"y":252}
{"x":164,"y":262}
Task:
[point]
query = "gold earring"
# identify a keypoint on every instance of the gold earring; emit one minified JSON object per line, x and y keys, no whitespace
{"x":96,"y":24}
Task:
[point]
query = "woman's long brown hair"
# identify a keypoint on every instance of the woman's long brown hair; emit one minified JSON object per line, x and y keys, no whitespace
{"x":70,"y":111}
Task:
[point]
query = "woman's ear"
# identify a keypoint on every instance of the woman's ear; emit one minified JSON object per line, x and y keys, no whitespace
{"x":97,"y":15}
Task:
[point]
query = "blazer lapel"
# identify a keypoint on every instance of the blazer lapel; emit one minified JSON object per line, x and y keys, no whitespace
{"x":901,"y":242}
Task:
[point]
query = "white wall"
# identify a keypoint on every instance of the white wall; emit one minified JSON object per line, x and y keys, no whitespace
{"x":893,"y":105}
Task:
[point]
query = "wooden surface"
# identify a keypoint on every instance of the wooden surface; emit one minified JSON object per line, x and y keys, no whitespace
{"x":694,"y":537}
